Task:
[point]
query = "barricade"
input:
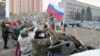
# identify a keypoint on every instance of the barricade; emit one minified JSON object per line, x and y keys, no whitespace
{"x":91,"y":24}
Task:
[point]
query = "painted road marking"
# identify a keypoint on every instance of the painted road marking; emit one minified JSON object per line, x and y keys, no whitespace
{"x":5,"y":51}
{"x":1,"y":41}
{"x":8,"y":50}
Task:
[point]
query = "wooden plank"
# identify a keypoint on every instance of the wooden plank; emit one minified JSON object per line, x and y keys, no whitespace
{"x":78,"y":38}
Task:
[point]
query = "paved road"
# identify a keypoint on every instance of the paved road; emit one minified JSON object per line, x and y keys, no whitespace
{"x":88,"y":36}
{"x":6,"y":52}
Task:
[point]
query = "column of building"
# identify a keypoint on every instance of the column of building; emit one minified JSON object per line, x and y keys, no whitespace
{"x":24,"y":6}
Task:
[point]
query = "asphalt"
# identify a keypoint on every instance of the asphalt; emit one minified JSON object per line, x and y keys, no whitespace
{"x":6,"y":52}
{"x":88,"y":36}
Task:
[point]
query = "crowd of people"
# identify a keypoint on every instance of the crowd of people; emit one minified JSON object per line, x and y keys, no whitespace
{"x":39,"y":39}
{"x":22,"y":33}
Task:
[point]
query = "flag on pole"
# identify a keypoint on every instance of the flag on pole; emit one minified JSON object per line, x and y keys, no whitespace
{"x":56,"y":11}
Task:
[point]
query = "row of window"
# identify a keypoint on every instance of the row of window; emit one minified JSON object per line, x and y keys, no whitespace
{"x":74,"y":7}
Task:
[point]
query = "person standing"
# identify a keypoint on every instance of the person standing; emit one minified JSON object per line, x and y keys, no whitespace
{"x":25,"y":38}
{"x":17,"y":30}
{"x":62,"y":29}
{"x":5,"y":33}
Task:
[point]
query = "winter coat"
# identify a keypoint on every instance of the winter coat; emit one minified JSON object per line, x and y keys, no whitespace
{"x":17,"y":30}
{"x":26,"y":43}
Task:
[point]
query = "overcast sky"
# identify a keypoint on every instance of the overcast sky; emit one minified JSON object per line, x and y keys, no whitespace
{"x":93,"y":2}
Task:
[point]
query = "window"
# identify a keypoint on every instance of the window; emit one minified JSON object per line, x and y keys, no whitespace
{"x":3,"y":0}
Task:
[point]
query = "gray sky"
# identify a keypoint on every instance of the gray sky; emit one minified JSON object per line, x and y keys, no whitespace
{"x":92,"y":2}
{"x":46,"y":2}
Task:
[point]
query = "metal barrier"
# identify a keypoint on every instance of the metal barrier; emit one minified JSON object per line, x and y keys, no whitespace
{"x":91,"y":24}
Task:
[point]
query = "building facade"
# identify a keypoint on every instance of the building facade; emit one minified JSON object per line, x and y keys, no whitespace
{"x":2,"y":0}
{"x":2,"y":9}
{"x":24,"y":6}
{"x":71,"y":6}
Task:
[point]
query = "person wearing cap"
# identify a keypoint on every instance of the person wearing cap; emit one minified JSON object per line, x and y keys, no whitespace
{"x":17,"y":30}
{"x":15,"y":23}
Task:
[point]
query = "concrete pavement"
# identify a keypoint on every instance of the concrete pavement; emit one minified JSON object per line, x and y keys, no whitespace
{"x":6,"y":52}
{"x":88,"y":36}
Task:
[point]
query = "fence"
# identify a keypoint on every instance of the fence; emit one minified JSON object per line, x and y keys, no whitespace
{"x":91,"y":24}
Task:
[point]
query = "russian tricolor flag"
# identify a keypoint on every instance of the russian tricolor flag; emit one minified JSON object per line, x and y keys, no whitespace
{"x":56,"y":11}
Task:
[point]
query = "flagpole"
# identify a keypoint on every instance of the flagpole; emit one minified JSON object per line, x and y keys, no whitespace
{"x":44,"y":17}
{"x":49,"y":17}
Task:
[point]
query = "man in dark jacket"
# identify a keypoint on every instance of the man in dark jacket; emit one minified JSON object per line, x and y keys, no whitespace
{"x":5,"y":32}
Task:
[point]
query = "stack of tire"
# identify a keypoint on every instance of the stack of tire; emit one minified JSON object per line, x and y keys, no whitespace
{"x":67,"y":45}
